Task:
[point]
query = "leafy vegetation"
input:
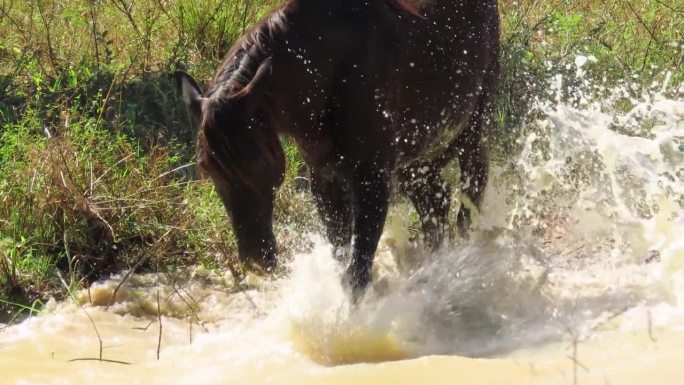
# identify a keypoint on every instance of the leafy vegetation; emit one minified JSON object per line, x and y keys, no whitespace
{"x":96,"y":153}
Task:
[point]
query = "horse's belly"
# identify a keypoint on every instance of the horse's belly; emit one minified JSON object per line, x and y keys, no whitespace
{"x":427,"y":134}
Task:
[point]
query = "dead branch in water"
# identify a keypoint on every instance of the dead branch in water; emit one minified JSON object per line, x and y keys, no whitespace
{"x":166,"y":300}
{"x":576,"y":364}
{"x":92,"y":321}
{"x":193,"y":311}
{"x":650,"y":327}
{"x":100,"y":360}
{"x":159,"y":317}
{"x":136,"y":266}
{"x":576,"y":338}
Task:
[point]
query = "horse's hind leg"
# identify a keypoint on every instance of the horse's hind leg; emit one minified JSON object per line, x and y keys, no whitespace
{"x":472,"y":157}
{"x":431,"y":197}
{"x":332,"y":197}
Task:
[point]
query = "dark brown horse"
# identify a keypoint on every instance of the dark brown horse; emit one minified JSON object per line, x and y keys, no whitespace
{"x":371,"y":91}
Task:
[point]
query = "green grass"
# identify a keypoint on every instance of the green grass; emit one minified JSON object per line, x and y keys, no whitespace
{"x":96,"y":152}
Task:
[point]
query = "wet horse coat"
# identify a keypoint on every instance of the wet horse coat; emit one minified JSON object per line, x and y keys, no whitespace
{"x":371,"y":91}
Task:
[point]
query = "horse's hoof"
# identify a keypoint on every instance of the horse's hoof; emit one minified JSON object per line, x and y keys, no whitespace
{"x":341,"y":253}
{"x":262,"y":267}
{"x":356,"y":282}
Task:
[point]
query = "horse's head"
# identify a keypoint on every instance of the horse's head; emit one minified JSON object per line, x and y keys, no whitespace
{"x":241,"y":153}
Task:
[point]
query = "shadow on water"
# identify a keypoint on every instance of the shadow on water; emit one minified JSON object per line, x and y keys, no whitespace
{"x":11,"y":310}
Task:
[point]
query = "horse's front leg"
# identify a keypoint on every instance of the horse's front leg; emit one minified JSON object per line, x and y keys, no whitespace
{"x":332,"y":196}
{"x":370,"y":196}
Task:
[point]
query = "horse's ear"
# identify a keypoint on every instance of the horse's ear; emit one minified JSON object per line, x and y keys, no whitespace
{"x":254,"y":92}
{"x":411,"y":6}
{"x":192,"y":94}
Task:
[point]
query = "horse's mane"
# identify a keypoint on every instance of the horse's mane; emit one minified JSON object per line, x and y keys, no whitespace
{"x":242,"y":61}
